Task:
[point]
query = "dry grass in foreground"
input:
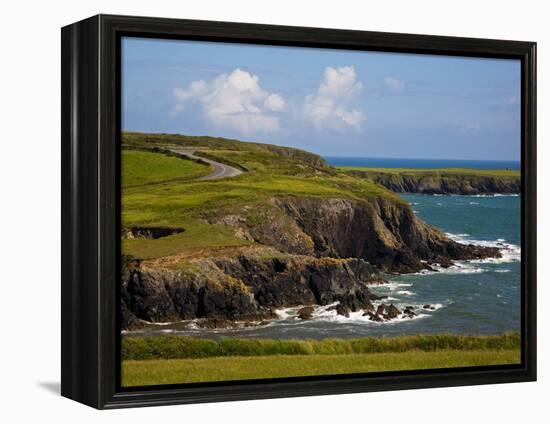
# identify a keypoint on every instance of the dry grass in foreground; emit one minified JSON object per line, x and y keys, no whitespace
{"x":177,"y":371}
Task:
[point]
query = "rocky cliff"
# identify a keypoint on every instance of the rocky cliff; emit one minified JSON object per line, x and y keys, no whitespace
{"x":382,"y":231}
{"x":244,"y":288}
{"x":444,"y":183}
{"x":306,"y":250}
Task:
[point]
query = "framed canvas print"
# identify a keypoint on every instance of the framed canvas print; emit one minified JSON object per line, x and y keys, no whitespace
{"x":255,"y":211}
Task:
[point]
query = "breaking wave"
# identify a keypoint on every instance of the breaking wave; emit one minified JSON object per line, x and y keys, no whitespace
{"x":510,"y":252}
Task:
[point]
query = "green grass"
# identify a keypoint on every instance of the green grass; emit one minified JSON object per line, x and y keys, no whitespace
{"x":140,"y":167}
{"x":185,"y":205}
{"x":169,"y":202}
{"x":173,"y":371}
{"x":162,"y":191}
{"x":197,"y":234}
{"x":252,"y":156}
{"x":173,"y":359}
{"x":437,"y":171}
{"x":217,"y":193}
{"x":175,"y":347}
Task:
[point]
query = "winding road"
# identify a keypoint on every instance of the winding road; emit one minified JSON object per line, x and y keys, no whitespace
{"x":220,"y":170}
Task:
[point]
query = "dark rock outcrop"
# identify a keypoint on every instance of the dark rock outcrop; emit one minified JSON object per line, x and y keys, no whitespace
{"x":392,"y":312}
{"x":160,"y":295}
{"x":297,"y":280}
{"x":408,"y":312}
{"x":383,"y":313}
{"x":244,"y":288}
{"x":129,"y":320}
{"x":306,"y":313}
{"x":374,"y":317}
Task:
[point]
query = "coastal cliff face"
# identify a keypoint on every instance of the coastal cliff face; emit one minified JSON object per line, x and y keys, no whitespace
{"x":244,"y":288}
{"x":463,"y":184}
{"x":382,"y":231}
{"x":310,"y":251}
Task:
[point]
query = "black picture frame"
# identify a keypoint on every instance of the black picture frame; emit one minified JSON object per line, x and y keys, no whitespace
{"x":91,"y":204}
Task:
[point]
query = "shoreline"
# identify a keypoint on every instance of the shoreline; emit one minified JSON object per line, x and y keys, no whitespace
{"x":323,"y":313}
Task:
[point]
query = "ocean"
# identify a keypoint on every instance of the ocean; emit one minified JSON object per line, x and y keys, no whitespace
{"x":420,"y":163}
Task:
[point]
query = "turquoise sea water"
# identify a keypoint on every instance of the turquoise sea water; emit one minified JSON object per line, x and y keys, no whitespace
{"x":479,"y":297}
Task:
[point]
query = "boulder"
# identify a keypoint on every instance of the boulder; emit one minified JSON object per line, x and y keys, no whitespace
{"x":408,"y":313}
{"x":392,"y":312}
{"x":306,"y":312}
{"x":374,"y":317}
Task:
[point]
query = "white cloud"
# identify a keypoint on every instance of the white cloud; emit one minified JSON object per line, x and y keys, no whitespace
{"x":274,"y":102}
{"x":329,"y":108}
{"x":394,"y":83}
{"x":196,"y":88}
{"x":234,"y":101}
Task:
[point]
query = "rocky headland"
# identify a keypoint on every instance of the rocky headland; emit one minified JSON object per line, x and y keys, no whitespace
{"x":289,"y":231}
{"x":446,"y":182}
{"x":307,"y":251}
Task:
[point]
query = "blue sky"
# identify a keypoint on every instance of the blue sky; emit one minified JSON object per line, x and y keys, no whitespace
{"x":332,"y":102}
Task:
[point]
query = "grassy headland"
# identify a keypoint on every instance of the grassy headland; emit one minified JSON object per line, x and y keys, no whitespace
{"x":180,"y":201}
{"x":442,"y":181}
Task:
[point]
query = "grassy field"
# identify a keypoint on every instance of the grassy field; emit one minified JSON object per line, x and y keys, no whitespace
{"x":141,"y":168}
{"x":255,"y":157}
{"x":173,"y":371}
{"x":437,"y":171}
{"x":172,"y":359}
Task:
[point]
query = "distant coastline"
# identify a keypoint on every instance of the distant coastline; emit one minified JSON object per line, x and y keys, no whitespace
{"x":420,"y":163}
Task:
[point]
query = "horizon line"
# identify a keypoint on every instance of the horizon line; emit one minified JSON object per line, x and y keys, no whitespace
{"x":409,"y":158}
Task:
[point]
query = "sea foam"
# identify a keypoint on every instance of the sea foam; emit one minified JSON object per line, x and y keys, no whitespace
{"x":510,"y":252}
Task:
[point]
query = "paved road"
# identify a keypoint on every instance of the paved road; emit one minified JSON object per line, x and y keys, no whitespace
{"x":220,"y":170}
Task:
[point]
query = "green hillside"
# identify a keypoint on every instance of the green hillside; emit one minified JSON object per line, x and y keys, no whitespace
{"x":161,"y":190}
